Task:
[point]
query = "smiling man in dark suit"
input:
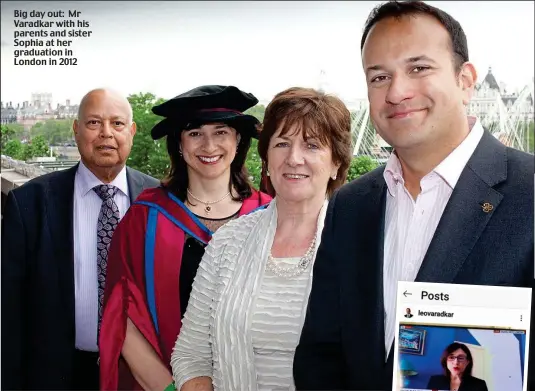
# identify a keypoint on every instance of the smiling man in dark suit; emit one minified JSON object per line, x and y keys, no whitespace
{"x":56,"y":230}
{"x":453,"y":204}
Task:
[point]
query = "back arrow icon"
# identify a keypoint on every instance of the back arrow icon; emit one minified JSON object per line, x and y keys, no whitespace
{"x":406,"y":293}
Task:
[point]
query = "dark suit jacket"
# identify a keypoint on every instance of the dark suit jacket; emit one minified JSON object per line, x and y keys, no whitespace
{"x":38,"y":326}
{"x":469,"y":383}
{"x":342,"y":342}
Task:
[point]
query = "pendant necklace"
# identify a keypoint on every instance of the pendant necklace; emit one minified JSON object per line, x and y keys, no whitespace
{"x":208,"y":208}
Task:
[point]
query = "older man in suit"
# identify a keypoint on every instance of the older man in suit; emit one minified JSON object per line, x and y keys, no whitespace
{"x":56,"y":230}
{"x":453,"y":204}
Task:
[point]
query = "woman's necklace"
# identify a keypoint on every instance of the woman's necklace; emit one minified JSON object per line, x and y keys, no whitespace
{"x":207,"y":204}
{"x":294,"y":270}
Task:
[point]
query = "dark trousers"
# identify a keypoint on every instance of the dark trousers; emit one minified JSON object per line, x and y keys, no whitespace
{"x":86,"y":371}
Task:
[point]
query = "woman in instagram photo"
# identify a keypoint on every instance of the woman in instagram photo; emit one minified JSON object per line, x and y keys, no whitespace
{"x":248,"y":301}
{"x":157,"y":247}
{"x":457,"y":363}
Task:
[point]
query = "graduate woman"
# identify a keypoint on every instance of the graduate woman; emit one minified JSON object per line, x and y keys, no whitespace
{"x":159,"y":243}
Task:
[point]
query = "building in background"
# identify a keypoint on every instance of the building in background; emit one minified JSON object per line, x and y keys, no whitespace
{"x":492,"y":99}
{"x":38,"y":109}
{"x":9,"y":113}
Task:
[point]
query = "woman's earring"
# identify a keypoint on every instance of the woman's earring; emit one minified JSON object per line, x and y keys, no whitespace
{"x":334,"y":177}
{"x":267,"y":172}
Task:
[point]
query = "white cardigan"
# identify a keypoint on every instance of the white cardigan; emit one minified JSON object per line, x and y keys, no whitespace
{"x":215,"y":338}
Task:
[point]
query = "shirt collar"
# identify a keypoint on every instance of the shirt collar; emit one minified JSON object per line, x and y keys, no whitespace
{"x":449,"y":169}
{"x":88,"y":180}
{"x":393,"y":173}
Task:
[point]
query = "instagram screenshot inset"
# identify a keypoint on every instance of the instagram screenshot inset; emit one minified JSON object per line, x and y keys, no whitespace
{"x":461,"y":337}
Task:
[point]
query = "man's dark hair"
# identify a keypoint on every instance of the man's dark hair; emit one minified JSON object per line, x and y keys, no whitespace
{"x":398,"y":9}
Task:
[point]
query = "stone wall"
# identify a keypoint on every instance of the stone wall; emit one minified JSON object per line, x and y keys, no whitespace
{"x":23,"y":168}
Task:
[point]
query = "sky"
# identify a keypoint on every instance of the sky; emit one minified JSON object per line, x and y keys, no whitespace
{"x":167,"y":48}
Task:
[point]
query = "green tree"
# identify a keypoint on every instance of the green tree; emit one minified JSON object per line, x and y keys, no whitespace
{"x":27,"y":152}
{"x":10,"y":132}
{"x":37,"y":147}
{"x":254,"y":164}
{"x":253,"y":161}
{"x":257,"y":111}
{"x":7,"y":134}
{"x":55,"y":131}
{"x":147,"y":155}
{"x":360,"y":165}
{"x":14,"y":148}
{"x":18,"y":128}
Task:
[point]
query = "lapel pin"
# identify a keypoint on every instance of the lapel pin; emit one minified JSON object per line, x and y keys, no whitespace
{"x":487,"y":207}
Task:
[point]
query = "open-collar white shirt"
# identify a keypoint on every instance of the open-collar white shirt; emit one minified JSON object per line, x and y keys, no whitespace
{"x":410,"y":224}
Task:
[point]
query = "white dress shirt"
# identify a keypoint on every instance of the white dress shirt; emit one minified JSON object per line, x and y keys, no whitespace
{"x":410,"y":224}
{"x":86,"y":210}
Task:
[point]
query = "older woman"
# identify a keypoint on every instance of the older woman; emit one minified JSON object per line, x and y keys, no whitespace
{"x":158,"y":245}
{"x":457,"y":363}
{"x":249,"y":298}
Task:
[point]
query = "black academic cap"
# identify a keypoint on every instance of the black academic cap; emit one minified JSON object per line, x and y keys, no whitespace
{"x":207,"y":104}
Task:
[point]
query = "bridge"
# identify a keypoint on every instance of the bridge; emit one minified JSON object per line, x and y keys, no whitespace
{"x":15,"y":173}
